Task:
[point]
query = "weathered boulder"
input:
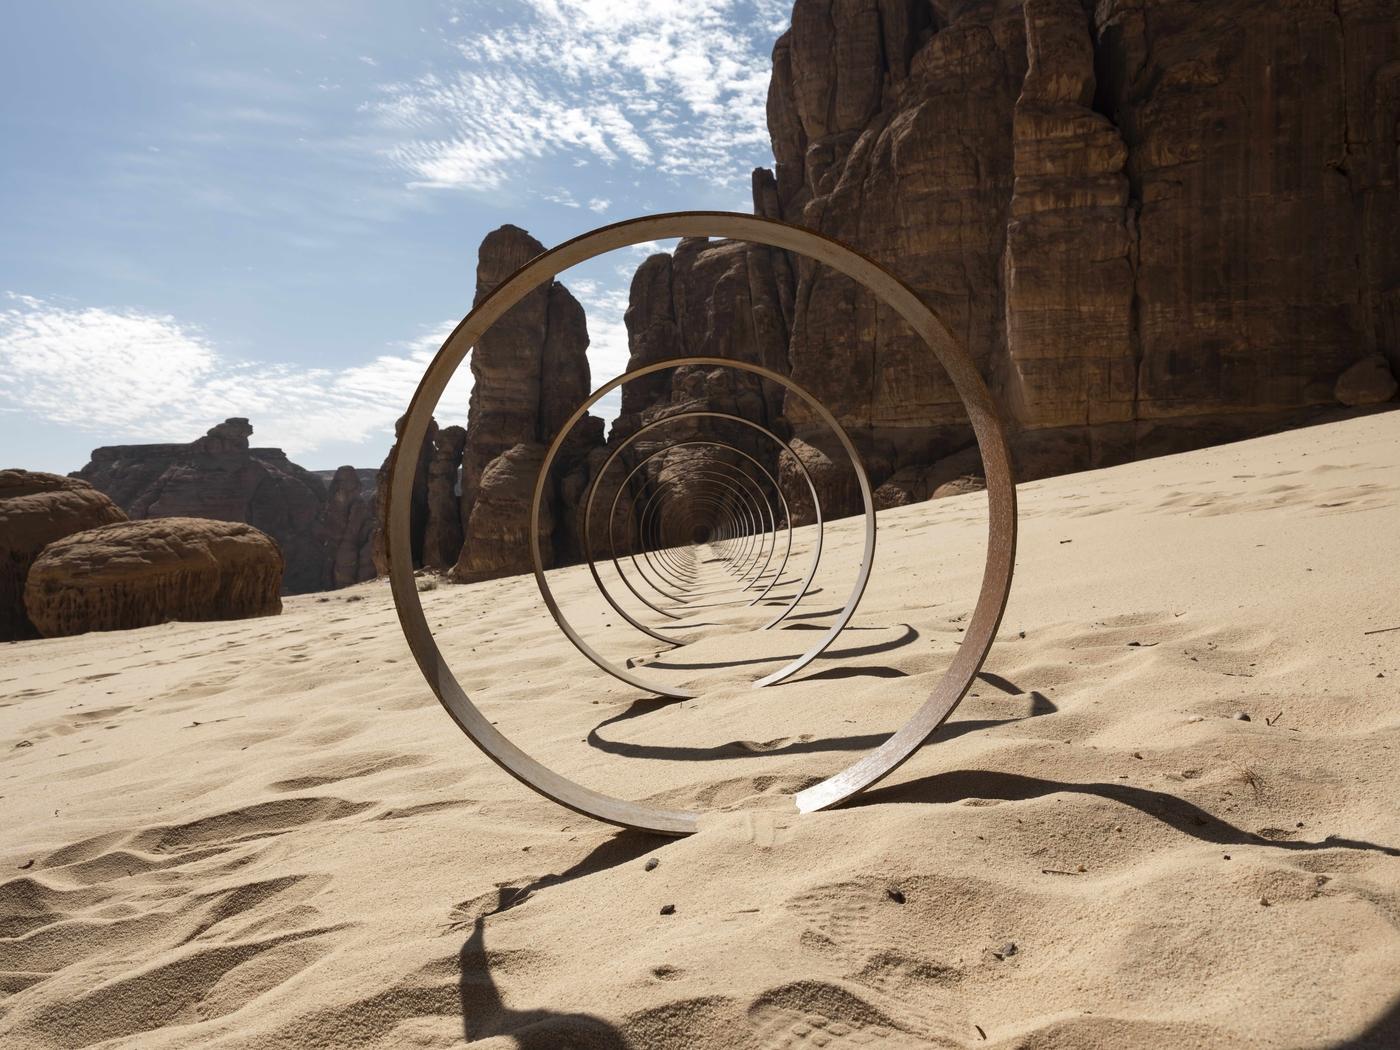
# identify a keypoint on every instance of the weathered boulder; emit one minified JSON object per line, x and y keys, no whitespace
{"x":35,"y":510}
{"x":1368,"y":382}
{"x":219,"y":476}
{"x":139,"y":573}
{"x":349,"y":528}
{"x":499,"y":543}
{"x":959,"y":486}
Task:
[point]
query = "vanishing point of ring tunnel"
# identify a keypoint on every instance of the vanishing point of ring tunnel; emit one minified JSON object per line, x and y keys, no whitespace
{"x":714,"y":529}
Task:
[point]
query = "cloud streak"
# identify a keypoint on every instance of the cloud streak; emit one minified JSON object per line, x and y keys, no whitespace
{"x":675,"y":86}
{"x":133,"y":375}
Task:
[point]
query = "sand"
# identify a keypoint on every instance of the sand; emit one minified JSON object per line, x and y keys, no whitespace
{"x":267,"y":833}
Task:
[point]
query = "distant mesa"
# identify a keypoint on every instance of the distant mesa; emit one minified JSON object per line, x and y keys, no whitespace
{"x":324,"y":537}
{"x":140,"y":573}
{"x":35,"y":510}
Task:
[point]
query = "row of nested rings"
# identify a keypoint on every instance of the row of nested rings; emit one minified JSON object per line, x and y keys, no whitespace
{"x":735,"y":518}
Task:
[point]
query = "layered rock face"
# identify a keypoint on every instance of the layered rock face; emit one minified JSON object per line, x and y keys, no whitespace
{"x":710,"y":299}
{"x":35,"y":510}
{"x":349,"y":525}
{"x":1154,"y":224}
{"x":139,"y":573}
{"x":220,"y":477}
{"x":500,"y":537}
{"x":531,"y":373}
{"x":418,"y":514}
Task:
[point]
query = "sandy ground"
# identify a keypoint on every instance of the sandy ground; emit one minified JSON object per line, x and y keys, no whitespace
{"x":267,"y":833}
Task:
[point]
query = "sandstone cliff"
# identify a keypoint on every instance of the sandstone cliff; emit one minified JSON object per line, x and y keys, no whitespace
{"x":349,"y":525}
{"x":530,"y":372}
{"x":1155,"y":224}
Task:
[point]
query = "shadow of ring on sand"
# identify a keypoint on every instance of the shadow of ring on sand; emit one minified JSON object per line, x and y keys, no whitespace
{"x":1186,"y":817}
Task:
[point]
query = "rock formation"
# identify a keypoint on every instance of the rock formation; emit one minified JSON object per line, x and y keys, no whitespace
{"x":500,"y":533}
{"x":418,"y":515}
{"x":349,"y":525}
{"x":219,"y":476}
{"x":1368,"y":382}
{"x":139,"y":573}
{"x":35,"y":510}
{"x":1154,"y":224}
{"x":531,"y":372}
{"x":442,"y":530}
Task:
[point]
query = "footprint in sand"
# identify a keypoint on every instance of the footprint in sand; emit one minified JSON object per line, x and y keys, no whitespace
{"x":816,"y":1013}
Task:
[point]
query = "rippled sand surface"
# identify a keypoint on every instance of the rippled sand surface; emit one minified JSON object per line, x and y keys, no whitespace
{"x":268,"y":834}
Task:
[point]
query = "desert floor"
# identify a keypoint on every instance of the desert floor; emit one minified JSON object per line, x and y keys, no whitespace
{"x":268,"y":833}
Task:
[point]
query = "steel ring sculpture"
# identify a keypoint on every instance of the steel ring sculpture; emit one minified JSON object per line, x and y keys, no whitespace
{"x":982,"y":415}
{"x":867,"y":558}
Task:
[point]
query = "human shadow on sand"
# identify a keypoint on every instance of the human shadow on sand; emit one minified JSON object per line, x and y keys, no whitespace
{"x":484,"y":1014}
{"x":1381,"y":1034}
{"x":1040,"y":705}
{"x":959,"y":784}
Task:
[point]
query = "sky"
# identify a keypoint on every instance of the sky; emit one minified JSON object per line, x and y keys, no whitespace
{"x":272,"y":209}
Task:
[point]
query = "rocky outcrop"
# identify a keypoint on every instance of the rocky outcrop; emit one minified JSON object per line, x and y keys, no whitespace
{"x":531,"y":373}
{"x":442,"y":531}
{"x":499,"y":529}
{"x":711,"y":298}
{"x":1154,"y":224}
{"x":139,"y":573}
{"x":418,"y":514}
{"x":349,"y":526}
{"x":35,"y":510}
{"x":219,"y":476}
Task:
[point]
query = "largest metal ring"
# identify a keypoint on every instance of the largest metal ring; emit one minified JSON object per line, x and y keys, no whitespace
{"x":982,"y":415}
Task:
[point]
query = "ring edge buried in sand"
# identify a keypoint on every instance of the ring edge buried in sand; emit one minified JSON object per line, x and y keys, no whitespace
{"x":982,"y":413}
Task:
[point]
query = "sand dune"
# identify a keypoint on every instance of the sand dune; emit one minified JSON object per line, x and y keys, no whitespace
{"x":268,"y":834}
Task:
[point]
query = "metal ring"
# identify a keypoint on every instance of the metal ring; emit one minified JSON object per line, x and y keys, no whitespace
{"x":867,"y":558}
{"x":783,"y":446}
{"x":982,"y":415}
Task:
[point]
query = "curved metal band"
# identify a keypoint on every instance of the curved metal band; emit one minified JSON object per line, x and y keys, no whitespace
{"x":867,"y":558}
{"x":783,"y":446}
{"x":982,"y":415}
{"x":733,"y":501}
{"x":706,"y":442}
{"x":727,"y":510}
{"x":656,"y":509}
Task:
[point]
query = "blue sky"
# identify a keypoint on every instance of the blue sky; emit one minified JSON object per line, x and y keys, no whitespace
{"x":272,"y":209}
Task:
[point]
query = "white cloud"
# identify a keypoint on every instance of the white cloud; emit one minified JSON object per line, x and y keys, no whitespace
{"x":132,"y":375}
{"x":599,"y":204}
{"x":675,"y":86}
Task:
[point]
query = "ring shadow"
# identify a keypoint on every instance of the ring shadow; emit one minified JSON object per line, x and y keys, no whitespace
{"x":1186,"y":817}
{"x":907,"y":637}
{"x":1040,"y":705}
